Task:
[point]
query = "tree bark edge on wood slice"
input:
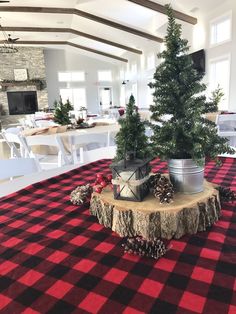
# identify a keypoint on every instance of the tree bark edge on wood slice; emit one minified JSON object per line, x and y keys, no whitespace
{"x":164,"y":221}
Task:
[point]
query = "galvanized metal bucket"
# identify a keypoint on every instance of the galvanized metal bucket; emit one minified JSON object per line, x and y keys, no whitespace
{"x":186,"y":176}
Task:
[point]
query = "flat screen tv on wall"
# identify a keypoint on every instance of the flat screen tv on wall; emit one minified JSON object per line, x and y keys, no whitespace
{"x":198,"y":58}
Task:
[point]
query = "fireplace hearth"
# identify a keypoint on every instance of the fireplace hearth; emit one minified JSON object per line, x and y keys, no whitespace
{"x":22,"y":102}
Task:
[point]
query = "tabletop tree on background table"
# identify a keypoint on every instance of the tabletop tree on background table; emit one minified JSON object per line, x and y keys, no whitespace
{"x":61,"y":114}
{"x":187,"y":137}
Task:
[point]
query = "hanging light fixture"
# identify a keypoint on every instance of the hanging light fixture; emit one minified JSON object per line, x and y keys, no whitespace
{"x":7,"y":43}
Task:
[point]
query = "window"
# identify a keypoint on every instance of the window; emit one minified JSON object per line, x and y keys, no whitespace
{"x":77,"y":96}
{"x":219,"y":74}
{"x":220,"y":29}
{"x":105,"y":97}
{"x":122,"y":75}
{"x":151,"y":61}
{"x":150,"y":92}
{"x":135,"y":92}
{"x":122,"y":95}
{"x":104,"y":76}
{"x":134,"y":68}
{"x":71,"y":76}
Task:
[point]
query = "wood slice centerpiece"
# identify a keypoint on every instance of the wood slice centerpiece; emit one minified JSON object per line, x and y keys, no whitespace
{"x":188,"y":214}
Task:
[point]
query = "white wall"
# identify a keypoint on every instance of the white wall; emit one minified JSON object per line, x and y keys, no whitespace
{"x":222,"y":49}
{"x":58,"y":60}
{"x":144,"y":75}
{"x":198,"y":37}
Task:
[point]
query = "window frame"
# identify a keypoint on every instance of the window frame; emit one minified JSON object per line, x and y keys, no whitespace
{"x":70,"y":72}
{"x":151,"y":55}
{"x":216,"y":21}
{"x":72,"y":101}
{"x":215,"y":60}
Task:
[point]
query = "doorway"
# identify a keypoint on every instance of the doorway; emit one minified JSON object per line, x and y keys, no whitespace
{"x":105,"y":97}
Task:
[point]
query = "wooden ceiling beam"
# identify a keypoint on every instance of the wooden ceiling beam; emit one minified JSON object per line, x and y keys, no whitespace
{"x":71,"y":31}
{"x":161,"y":9}
{"x":32,"y":42}
{"x":83,"y":14}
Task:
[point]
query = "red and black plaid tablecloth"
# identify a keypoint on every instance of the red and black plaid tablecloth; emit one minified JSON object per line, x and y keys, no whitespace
{"x":55,"y":257}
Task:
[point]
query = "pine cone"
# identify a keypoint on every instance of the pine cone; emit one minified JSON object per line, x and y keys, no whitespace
{"x":138,"y":246}
{"x":163,"y":189}
{"x":153,"y":180}
{"x":81,"y":194}
{"x":226,"y":194}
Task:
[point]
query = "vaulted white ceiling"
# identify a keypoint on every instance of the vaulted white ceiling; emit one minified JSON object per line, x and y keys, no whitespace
{"x":120,"y":11}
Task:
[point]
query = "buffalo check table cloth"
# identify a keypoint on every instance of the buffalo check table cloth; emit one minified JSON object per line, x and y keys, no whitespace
{"x":56,"y":258}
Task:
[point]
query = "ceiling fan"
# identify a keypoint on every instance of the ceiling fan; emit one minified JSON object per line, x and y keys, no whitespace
{"x":12,"y":40}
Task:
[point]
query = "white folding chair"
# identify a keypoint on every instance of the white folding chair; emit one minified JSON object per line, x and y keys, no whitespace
{"x":226,"y":124}
{"x":14,"y":130}
{"x":46,"y":160}
{"x":108,"y":152}
{"x":84,"y":142}
{"x":44,"y":123}
{"x":111,"y":138}
{"x":10,"y":168}
{"x":17,"y":144}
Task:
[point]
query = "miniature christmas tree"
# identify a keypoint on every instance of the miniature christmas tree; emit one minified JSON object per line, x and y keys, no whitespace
{"x":61,"y":114}
{"x":178,"y":92}
{"x":131,"y":138}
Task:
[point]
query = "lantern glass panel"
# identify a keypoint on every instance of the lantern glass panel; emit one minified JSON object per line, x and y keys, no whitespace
{"x":130,"y":179}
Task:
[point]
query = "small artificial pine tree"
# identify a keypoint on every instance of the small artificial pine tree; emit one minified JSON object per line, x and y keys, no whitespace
{"x":61,"y":114}
{"x":178,"y":92}
{"x":131,"y":138}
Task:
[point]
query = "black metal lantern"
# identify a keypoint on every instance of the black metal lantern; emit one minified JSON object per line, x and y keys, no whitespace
{"x":130,"y":179}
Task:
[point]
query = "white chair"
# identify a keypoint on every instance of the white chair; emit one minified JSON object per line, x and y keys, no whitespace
{"x":14,"y":130}
{"x":108,"y":152}
{"x":111,"y":138}
{"x":44,"y":123}
{"x":17,"y":167}
{"x":46,"y":160}
{"x":17,"y":144}
{"x":83,"y":142}
{"x":226,"y":124}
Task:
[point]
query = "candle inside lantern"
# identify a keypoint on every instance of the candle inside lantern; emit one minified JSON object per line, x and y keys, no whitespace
{"x":125,"y":189}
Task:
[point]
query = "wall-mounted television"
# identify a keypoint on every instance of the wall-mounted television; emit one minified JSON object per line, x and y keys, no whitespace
{"x":198,"y":58}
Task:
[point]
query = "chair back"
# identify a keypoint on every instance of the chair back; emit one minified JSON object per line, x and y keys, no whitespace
{"x":44,"y":123}
{"x":226,"y":122}
{"x":111,"y":138}
{"x":14,"y":139}
{"x":86,"y":142}
{"x":52,"y":140}
{"x":108,"y":152}
{"x":17,"y":167}
{"x":15,"y":130}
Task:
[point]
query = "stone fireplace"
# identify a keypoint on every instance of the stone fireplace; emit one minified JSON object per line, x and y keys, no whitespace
{"x":30,"y":92}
